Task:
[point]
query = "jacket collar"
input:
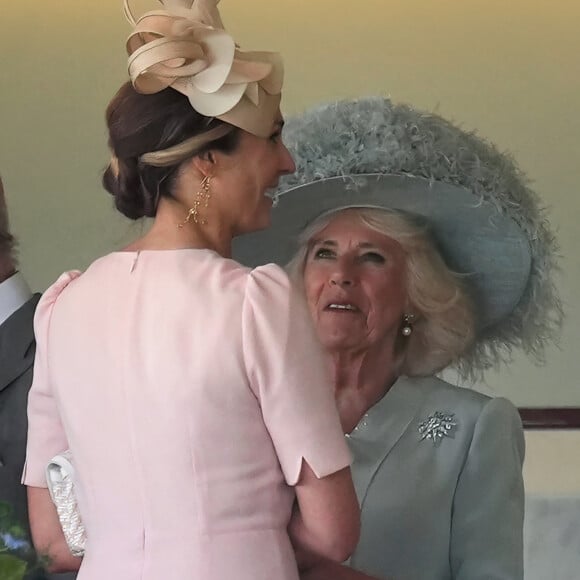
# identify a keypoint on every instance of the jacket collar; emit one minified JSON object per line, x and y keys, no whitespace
{"x":380,"y":429}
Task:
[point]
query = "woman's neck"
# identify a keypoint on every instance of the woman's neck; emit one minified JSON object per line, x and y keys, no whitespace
{"x":361,"y":378}
{"x":169,"y":231}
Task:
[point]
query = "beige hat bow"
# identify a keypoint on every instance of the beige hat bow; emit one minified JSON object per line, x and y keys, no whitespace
{"x":185,"y":46}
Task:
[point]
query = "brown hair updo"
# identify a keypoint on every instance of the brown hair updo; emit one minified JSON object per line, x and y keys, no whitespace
{"x":150,"y":136}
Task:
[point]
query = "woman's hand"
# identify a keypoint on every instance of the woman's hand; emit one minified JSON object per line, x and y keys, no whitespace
{"x":332,"y":571}
{"x":47,"y":535}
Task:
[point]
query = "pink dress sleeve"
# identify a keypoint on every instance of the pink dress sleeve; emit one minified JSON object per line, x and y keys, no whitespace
{"x":288,"y":374}
{"x":46,"y":435}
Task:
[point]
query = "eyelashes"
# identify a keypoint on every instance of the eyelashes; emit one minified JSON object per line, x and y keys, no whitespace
{"x":328,"y":254}
{"x":323,"y":253}
{"x":373,"y":257}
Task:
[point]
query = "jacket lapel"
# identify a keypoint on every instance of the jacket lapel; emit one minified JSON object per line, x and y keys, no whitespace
{"x":379,"y":431}
{"x":17,"y":345}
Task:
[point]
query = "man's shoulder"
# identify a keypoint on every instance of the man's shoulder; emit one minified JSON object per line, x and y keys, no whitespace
{"x":17,"y":344}
{"x":23,"y":317}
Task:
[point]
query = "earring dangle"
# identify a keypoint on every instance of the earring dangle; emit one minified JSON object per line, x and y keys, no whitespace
{"x":201,"y":199}
{"x":408,"y":320}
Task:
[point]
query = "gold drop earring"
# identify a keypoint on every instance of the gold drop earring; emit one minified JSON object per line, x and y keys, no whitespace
{"x":201,"y":199}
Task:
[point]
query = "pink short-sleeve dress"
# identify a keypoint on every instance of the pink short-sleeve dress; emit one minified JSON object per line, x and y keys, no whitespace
{"x":189,"y":390}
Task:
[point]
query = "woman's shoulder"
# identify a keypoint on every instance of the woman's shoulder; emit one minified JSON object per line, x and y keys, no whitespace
{"x":270,"y":286}
{"x":460,"y":401}
{"x":436,"y":387}
{"x":51,"y":294}
{"x":269,"y":274}
{"x":43,"y":312}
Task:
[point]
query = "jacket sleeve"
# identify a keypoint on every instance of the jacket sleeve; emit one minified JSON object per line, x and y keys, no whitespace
{"x":488,"y":507}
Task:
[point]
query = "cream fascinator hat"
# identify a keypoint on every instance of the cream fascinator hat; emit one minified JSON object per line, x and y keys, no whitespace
{"x":487,"y":223}
{"x":184,"y":46}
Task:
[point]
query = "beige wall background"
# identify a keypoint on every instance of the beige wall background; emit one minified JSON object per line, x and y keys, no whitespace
{"x":509,"y":69}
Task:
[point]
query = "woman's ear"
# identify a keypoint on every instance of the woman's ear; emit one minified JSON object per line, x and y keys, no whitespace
{"x":204,"y":163}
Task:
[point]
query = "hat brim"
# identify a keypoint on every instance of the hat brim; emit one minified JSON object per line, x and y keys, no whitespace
{"x":472,"y":235}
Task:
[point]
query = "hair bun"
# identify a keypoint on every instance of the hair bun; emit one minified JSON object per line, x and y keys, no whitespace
{"x":122,"y":180}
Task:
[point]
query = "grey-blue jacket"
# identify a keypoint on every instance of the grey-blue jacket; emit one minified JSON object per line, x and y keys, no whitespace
{"x":438,"y":472}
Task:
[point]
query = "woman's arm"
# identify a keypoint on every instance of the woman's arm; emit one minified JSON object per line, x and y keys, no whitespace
{"x":327,"y":522}
{"x":47,"y":535}
{"x":488,"y":508}
{"x":287,"y":373}
{"x":46,"y":438}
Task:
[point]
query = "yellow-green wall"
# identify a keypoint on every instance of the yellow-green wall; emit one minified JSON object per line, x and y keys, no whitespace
{"x":509,"y":69}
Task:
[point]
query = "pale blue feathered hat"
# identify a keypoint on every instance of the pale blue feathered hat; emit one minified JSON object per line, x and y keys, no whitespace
{"x":487,"y":221}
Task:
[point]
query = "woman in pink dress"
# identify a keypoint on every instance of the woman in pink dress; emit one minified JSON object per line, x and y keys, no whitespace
{"x":190,"y":390}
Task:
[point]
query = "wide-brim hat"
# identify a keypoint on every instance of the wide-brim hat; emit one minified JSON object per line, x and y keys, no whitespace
{"x":487,"y":222}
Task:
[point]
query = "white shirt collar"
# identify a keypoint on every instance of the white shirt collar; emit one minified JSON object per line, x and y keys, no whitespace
{"x":14,"y":293}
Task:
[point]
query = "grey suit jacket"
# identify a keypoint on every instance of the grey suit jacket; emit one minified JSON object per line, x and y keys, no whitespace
{"x":17,"y":349}
{"x":451,"y":511}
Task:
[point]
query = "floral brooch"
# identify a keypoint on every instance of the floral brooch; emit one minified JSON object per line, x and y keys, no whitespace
{"x":437,"y":426}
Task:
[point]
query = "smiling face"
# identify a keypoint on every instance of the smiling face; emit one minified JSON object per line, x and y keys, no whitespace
{"x":355,"y":286}
{"x":247,"y":174}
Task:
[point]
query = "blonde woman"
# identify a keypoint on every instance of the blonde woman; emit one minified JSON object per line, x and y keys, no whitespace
{"x":419,"y":247}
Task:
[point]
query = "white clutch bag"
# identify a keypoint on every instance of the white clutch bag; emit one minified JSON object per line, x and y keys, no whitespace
{"x":60,"y":477}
